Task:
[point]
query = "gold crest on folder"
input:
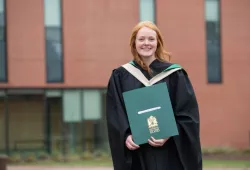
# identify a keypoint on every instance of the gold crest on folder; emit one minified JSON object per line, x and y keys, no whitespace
{"x":153,"y":125}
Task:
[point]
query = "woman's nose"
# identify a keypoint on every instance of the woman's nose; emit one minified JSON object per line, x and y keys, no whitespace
{"x":146,"y":41}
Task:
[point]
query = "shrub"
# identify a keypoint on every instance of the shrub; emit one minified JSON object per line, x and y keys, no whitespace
{"x":86,"y":155}
{"x":15,"y":158}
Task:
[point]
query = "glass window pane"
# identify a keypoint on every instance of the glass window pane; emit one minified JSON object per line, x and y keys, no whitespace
{"x":52,"y":13}
{"x":54,"y":61}
{"x":72,"y":118}
{"x":53,"y":34}
{"x":95,"y":130}
{"x":212,"y":10}
{"x":2,"y":17}
{"x":2,"y":43}
{"x":147,"y":10}
{"x":1,"y":33}
{"x":2,"y":61}
{"x":92,"y":105}
{"x":2,"y":124}
{"x":54,"y":58}
{"x":2,"y":93}
{"x":213,"y":41}
{"x":72,"y":106}
{"x":26,"y":123}
{"x":53,"y":121}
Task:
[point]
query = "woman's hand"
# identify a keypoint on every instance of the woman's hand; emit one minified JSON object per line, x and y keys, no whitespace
{"x":157,"y":142}
{"x":130,"y":143}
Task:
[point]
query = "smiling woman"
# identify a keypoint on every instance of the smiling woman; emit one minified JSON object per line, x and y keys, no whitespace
{"x":176,"y":152}
{"x":146,"y":43}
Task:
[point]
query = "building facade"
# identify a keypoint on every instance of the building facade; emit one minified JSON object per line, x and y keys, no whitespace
{"x":56,"y":57}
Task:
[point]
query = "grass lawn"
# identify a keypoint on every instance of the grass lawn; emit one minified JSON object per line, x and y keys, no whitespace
{"x":228,"y":163}
{"x":207,"y":163}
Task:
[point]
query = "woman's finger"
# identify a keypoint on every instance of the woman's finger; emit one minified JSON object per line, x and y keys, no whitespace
{"x":129,"y":146}
{"x":158,"y":141}
{"x":133,"y":144}
{"x":153,"y":143}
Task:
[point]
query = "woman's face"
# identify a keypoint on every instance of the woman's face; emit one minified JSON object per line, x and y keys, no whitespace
{"x":146,"y":42}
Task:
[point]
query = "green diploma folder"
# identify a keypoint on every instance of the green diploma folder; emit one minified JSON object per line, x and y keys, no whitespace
{"x":150,"y":113}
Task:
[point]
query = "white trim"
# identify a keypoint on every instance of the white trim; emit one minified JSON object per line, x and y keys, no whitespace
{"x":162,"y":75}
{"x":138,"y":74}
{"x":149,"y":110}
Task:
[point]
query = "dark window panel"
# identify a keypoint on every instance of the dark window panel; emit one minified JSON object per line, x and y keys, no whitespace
{"x":3,"y":60}
{"x":53,"y":35}
{"x":214,"y":74}
{"x":54,"y":61}
{"x":54,"y":55}
{"x":2,"y":16}
{"x":2,"y":36}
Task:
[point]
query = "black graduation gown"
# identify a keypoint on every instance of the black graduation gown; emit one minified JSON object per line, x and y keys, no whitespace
{"x":182,"y":152}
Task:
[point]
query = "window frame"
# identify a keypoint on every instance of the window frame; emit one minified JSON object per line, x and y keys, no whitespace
{"x":4,"y":79}
{"x":214,"y":64}
{"x":60,"y":41}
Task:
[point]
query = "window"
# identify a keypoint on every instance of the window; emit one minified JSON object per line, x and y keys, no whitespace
{"x":213,"y":41}
{"x":2,"y":122}
{"x":84,"y":119}
{"x":3,"y":60}
{"x":92,"y":105}
{"x":72,"y":106}
{"x":53,"y":29}
{"x":147,"y":10}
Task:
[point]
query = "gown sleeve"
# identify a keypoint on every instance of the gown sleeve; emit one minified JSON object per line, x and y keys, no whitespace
{"x":117,"y":122}
{"x":187,"y":117}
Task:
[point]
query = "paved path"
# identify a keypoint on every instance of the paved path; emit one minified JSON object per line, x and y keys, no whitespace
{"x":89,"y":168}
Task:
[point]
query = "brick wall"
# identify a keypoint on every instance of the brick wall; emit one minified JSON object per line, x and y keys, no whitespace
{"x":224,"y":108}
{"x":96,"y":40}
